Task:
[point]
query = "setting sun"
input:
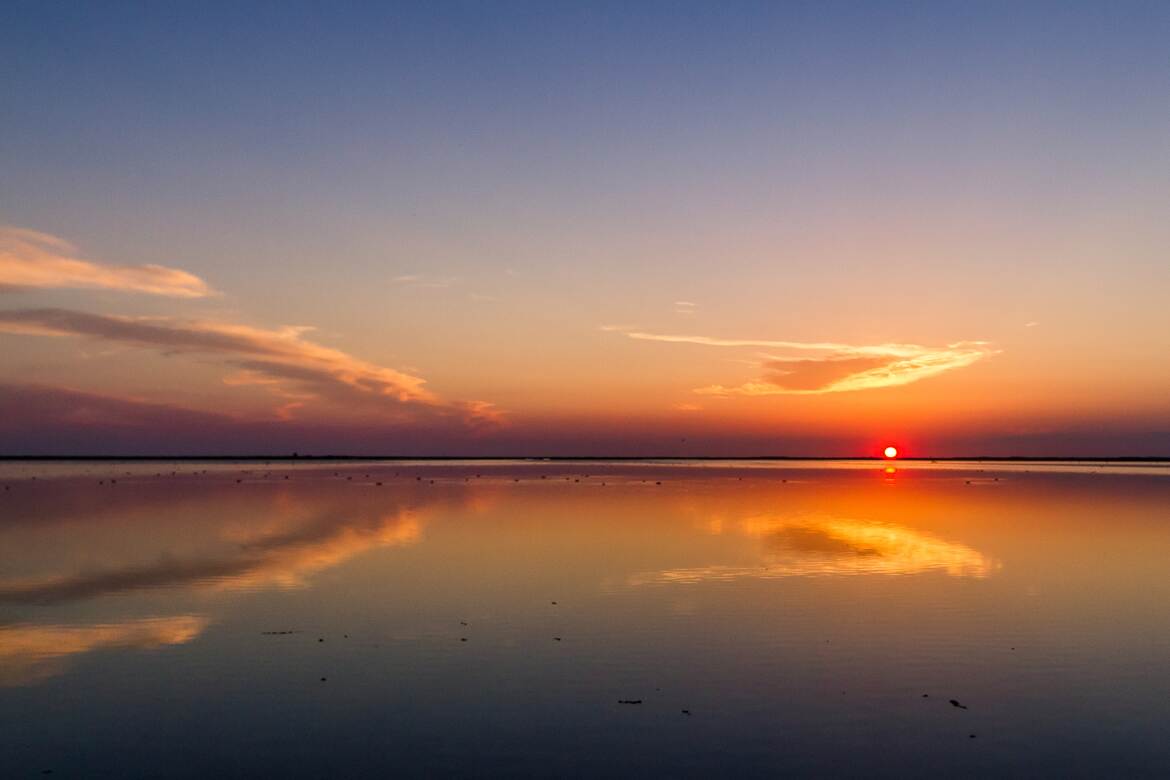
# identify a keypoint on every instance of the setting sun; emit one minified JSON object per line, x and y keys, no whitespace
{"x":612,"y":304}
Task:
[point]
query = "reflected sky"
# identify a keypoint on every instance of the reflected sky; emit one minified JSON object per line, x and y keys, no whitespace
{"x":835,"y":546}
{"x":491,"y":607}
{"x":285,"y":558}
{"x":32,"y":653}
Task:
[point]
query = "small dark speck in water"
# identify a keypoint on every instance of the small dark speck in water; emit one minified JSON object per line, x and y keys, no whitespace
{"x":955,"y":703}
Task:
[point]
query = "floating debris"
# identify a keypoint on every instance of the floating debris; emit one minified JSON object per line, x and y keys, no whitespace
{"x":629,"y":701}
{"x":955,"y":703}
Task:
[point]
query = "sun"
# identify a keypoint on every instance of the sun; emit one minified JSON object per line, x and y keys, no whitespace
{"x":890,"y":452}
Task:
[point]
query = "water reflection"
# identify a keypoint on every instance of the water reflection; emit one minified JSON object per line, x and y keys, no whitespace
{"x":31,"y":653}
{"x":796,"y":547}
{"x":284,"y":559}
{"x":443,"y":621}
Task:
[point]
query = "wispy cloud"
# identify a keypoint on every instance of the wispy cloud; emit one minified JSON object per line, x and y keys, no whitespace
{"x":29,"y":259}
{"x":423,"y":280}
{"x":831,"y":367}
{"x":283,"y":357}
{"x":684,"y":307}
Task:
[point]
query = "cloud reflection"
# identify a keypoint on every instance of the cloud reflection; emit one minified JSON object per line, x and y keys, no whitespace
{"x":285,"y":559}
{"x":803,"y":547}
{"x":30,"y":653}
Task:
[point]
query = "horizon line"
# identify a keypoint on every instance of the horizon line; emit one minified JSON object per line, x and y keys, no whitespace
{"x":554,"y":458}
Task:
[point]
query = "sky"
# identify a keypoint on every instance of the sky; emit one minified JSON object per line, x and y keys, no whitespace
{"x":686,"y":229}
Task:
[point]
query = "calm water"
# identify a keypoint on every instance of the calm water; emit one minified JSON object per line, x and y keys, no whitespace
{"x":196,"y":619}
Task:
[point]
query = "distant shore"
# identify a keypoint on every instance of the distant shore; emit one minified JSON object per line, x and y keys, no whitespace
{"x":596,"y":458}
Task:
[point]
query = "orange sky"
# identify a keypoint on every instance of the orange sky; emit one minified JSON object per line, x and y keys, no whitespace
{"x":681,"y":243}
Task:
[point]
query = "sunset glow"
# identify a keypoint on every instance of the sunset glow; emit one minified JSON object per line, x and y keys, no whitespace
{"x":940,"y":230}
{"x":443,"y":389}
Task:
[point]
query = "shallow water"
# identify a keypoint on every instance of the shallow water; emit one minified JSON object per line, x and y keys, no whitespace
{"x":178,"y":619}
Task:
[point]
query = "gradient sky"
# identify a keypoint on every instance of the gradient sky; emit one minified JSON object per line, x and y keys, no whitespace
{"x":544,"y":228}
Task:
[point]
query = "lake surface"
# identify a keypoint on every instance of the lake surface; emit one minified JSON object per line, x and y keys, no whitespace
{"x":181,"y":619}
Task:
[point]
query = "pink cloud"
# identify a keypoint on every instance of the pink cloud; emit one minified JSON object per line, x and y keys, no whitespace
{"x":29,"y":259}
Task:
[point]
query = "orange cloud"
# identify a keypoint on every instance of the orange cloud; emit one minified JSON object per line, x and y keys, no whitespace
{"x":270,"y":357}
{"x":31,"y":653}
{"x":38,"y":260}
{"x":838,"y":367}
